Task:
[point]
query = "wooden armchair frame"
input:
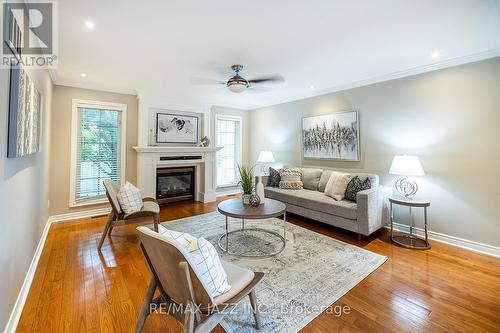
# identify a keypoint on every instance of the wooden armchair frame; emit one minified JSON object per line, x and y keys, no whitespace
{"x":117,"y":217}
{"x":182,"y":292}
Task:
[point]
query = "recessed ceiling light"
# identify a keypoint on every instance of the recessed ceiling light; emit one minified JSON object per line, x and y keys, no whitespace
{"x":435,"y":54}
{"x":83,"y":75}
{"x":89,"y":25}
{"x":311,"y":86}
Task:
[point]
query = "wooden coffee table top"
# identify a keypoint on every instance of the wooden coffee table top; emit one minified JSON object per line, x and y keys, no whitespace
{"x":235,"y":208}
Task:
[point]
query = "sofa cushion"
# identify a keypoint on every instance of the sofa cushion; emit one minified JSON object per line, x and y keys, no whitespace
{"x":323,"y":180}
{"x":325,"y":176}
{"x":310,"y":178}
{"x":314,"y":200}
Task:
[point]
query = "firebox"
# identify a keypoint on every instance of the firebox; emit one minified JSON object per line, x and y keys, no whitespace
{"x":174,"y":184}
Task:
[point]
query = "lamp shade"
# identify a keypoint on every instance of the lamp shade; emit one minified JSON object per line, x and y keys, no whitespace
{"x":406,"y":165}
{"x":266,"y":156}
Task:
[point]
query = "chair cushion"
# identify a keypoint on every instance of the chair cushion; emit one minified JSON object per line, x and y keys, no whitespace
{"x":238,"y":277}
{"x":310,"y":178}
{"x":337,"y":185}
{"x":314,"y":200}
{"x":130,"y":198}
{"x":151,"y":206}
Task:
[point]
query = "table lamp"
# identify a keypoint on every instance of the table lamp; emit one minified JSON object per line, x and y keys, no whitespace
{"x":406,"y":165}
{"x":265,"y":157}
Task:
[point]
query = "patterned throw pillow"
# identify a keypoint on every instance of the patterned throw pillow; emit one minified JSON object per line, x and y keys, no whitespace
{"x":185,"y":240}
{"x":130,"y":198}
{"x":203,"y":258}
{"x":356,"y":185}
{"x":291,"y":179}
{"x":274,"y":178}
{"x":337,"y":185}
{"x":209,"y":267}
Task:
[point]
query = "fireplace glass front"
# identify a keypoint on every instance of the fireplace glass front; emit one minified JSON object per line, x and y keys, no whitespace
{"x":174,"y":184}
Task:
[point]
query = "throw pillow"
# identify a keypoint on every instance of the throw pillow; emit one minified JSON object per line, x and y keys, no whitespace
{"x":203,"y":258}
{"x":310,"y":178}
{"x":337,"y":184}
{"x":323,"y":180}
{"x":274,"y":178}
{"x":356,"y":185}
{"x":130,"y":198}
{"x":185,"y":240}
{"x":209,"y":267}
{"x":290,"y":179}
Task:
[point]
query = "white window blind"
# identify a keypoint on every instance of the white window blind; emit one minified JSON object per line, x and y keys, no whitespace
{"x":228,"y":136}
{"x":98,"y":151}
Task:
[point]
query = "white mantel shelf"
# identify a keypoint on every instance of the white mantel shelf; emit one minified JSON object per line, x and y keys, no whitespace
{"x":167,"y":149}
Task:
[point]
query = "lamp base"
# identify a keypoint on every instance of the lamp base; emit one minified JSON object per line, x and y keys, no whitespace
{"x":406,"y":187}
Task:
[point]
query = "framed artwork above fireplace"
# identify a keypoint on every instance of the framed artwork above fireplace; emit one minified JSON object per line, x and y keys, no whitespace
{"x":176,"y":128}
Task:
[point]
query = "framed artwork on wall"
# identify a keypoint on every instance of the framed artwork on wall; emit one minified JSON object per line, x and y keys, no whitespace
{"x":332,"y":137}
{"x":24,"y":114}
{"x":176,"y":128}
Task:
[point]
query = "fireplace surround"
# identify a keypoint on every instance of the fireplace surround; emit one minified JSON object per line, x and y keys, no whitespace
{"x":202,"y":159}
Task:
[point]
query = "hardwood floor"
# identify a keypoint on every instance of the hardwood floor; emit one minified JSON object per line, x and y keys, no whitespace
{"x":76,"y":289}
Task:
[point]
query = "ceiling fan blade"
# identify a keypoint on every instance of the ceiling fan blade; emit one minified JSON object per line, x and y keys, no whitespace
{"x":257,"y":89}
{"x":271,"y":78}
{"x":205,"y":81}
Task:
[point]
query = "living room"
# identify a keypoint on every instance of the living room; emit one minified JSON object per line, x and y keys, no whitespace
{"x":336,"y":162}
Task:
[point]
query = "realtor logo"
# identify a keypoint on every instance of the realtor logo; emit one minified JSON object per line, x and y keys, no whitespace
{"x":29,"y":33}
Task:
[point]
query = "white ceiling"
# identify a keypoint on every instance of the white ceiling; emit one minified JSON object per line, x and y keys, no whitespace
{"x":156,"y":48}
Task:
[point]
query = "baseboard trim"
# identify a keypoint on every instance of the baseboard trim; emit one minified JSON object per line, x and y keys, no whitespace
{"x":452,"y":240}
{"x":79,"y":215}
{"x":17,"y":310}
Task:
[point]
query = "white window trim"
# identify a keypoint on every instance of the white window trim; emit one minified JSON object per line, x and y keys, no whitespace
{"x":76,"y":103}
{"x":219,"y":116}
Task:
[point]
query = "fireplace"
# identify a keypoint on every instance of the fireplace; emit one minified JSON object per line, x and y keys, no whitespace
{"x":175,"y":184}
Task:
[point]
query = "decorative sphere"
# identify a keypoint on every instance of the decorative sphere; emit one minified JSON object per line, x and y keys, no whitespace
{"x":254,"y":200}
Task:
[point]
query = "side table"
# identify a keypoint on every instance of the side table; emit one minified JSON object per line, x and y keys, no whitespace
{"x":410,"y":240}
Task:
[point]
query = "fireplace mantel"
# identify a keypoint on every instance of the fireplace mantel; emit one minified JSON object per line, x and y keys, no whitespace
{"x":150,"y":158}
{"x":167,"y":149}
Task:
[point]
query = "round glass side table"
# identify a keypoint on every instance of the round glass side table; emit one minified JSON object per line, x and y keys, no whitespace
{"x":410,"y":240}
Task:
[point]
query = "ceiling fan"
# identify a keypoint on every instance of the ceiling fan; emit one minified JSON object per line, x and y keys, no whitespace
{"x":238,"y":84}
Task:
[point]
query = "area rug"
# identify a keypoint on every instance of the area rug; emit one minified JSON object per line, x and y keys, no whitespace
{"x":310,"y":274}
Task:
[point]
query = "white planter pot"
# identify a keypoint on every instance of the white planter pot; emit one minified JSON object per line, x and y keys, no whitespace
{"x":246,"y":199}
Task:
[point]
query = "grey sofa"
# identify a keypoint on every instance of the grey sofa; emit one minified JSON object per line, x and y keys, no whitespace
{"x":362,"y":217}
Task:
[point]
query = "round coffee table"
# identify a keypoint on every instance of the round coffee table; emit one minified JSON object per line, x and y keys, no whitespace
{"x":235,"y":208}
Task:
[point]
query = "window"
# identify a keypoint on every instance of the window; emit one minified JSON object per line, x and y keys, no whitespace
{"x":228,"y":136}
{"x":97,"y":149}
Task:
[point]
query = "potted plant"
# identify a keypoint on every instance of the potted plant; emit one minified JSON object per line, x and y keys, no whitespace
{"x":246,"y":182}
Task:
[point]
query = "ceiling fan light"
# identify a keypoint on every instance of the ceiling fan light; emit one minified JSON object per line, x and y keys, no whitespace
{"x":237,"y":86}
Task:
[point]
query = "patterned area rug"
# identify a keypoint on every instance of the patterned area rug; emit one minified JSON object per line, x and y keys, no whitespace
{"x":311,"y":273}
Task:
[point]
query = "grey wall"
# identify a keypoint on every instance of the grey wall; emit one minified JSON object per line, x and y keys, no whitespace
{"x":24,"y":191}
{"x":450,"y":118}
{"x":61,"y":142}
